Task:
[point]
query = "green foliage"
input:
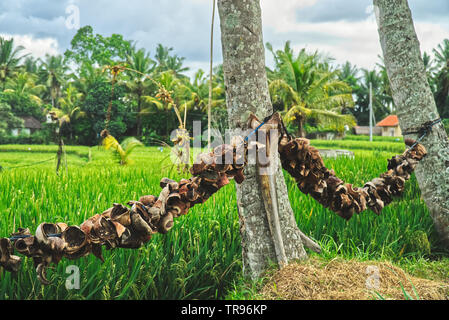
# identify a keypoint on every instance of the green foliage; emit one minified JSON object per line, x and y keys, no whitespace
{"x":201,"y":257}
{"x":361,"y":145}
{"x":197,"y":93}
{"x":38,"y":137}
{"x":312,"y":93}
{"x":140,"y":87}
{"x":417,"y":241}
{"x":441,"y":78}
{"x":360,"y":81}
{"x":375,"y":138}
{"x":168,"y":62}
{"x":9,"y":120}
{"x":53,"y":74}
{"x":22,"y":105}
{"x":179,"y":265}
{"x":95,"y":106}
{"x":10,"y":57}
{"x":305,"y":88}
{"x":122,"y":151}
{"x":150,"y":137}
{"x":88,"y":48}
{"x":446,"y":125}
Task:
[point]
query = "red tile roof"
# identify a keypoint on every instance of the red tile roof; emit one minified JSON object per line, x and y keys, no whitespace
{"x":390,"y":121}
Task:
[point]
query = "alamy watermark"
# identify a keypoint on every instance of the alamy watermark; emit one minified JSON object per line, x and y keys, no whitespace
{"x":245,"y":144}
{"x":373,"y":280}
{"x":72,"y":21}
{"x":73,"y":280}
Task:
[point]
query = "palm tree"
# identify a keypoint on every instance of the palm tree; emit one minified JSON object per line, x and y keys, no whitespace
{"x":24,"y":85}
{"x":31,"y":65}
{"x":139,"y":85}
{"x":429,"y":65}
{"x":170,"y":82}
{"x":10,"y":58}
{"x":69,"y":107}
{"x":350,"y":74}
{"x":442,"y":78}
{"x":385,"y":85}
{"x":9,"y":119}
{"x":176,"y":90}
{"x":69,"y":104}
{"x":53,"y":73}
{"x":382,"y":100}
{"x":198,"y":93}
{"x":65,"y":115}
{"x":167,"y":62}
{"x":88,"y":76}
{"x":306,"y":87}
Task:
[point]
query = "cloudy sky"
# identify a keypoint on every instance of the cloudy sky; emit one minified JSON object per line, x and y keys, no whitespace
{"x":344,"y":29}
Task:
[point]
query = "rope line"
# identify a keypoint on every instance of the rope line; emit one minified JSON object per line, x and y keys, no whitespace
{"x":257,"y":129}
{"x":424,"y":130}
{"x":26,"y":165}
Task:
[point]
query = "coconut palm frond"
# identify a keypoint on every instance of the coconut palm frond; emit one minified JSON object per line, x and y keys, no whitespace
{"x":122,"y":151}
{"x":322,"y":117}
{"x":294,"y":113}
{"x":149,"y":100}
{"x":326,"y":118}
{"x":280,"y":90}
{"x":110,"y":142}
{"x":129,"y":144}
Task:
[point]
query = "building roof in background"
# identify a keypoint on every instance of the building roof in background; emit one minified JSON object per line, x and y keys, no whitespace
{"x":390,"y":121}
{"x":31,"y":123}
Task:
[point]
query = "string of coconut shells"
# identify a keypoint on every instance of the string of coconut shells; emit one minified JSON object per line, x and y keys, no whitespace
{"x":304,"y":163}
{"x":133,"y":225}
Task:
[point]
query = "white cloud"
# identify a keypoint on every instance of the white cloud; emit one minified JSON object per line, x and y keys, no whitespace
{"x":281,"y":15}
{"x":357,"y":42}
{"x":185,"y":25}
{"x":38,"y":47}
{"x":195,"y":66}
{"x":354,"y":41}
{"x":430,"y":35}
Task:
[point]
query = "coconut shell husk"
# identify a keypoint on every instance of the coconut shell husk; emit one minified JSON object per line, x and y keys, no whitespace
{"x":132,"y":226}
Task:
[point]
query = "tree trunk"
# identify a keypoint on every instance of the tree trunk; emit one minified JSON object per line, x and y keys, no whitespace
{"x":416,"y":105}
{"x":59,"y":153}
{"x":301,"y":126}
{"x":139,"y":116}
{"x":209,"y":103}
{"x":247,"y":92}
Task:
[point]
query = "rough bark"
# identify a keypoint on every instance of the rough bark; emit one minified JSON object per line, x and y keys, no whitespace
{"x":246,"y":93}
{"x":416,"y":105}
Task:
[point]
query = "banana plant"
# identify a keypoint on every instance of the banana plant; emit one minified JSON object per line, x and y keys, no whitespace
{"x":123,"y":150}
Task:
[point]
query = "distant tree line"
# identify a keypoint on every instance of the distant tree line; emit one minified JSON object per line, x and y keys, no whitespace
{"x":310,"y":91}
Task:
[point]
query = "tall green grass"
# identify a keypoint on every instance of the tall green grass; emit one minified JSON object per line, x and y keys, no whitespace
{"x":200,"y":258}
{"x":375,"y":138}
{"x":382,"y":146}
{"x":196,"y":259}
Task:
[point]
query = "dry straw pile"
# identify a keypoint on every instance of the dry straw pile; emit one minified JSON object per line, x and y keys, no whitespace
{"x":349,"y":280}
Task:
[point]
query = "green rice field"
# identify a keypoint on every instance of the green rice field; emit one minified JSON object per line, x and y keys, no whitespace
{"x":200,"y":258}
